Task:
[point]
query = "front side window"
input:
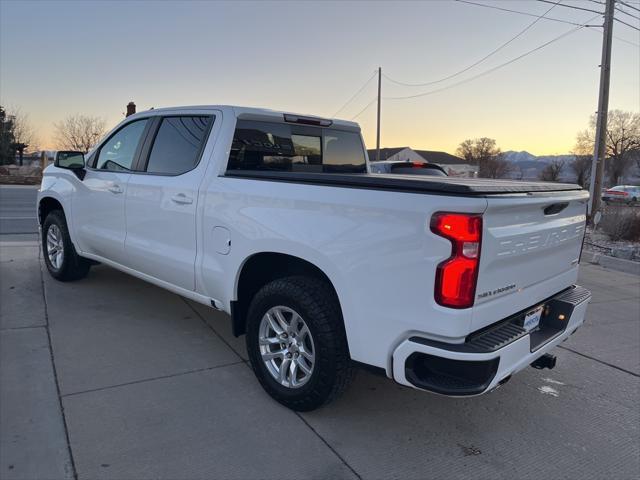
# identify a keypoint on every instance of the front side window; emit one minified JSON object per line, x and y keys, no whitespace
{"x":118,"y":153}
{"x":178,"y":144}
{"x":286,"y":148}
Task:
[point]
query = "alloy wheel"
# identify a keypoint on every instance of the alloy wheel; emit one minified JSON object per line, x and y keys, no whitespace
{"x":286,"y":346}
{"x":55,"y":246}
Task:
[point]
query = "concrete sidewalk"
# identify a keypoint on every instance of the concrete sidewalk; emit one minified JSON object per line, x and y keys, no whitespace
{"x":153,"y":386}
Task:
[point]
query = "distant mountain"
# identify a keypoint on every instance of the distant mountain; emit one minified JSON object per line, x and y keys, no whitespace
{"x":523,"y":156}
{"x":528,"y":166}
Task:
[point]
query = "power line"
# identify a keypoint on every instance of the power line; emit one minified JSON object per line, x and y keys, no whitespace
{"x":545,"y":18}
{"x":627,"y":24}
{"x":574,"y":7}
{"x":540,"y":17}
{"x":486,"y":72}
{"x":363,"y":110}
{"x":355,"y":94}
{"x":626,"y":41}
{"x":520,"y":12}
{"x":627,"y":13}
{"x":627,"y":4}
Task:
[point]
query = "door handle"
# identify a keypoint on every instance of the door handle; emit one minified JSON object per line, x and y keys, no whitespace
{"x":182,"y":199}
{"x":115,"y":189}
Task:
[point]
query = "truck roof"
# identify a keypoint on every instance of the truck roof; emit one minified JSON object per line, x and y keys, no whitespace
{"x":247,"y":112}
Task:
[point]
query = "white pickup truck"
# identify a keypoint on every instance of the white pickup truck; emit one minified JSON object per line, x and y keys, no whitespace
{"x":443,"y":284}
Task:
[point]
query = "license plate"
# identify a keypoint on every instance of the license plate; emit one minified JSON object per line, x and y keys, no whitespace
{"x":532,"y":319}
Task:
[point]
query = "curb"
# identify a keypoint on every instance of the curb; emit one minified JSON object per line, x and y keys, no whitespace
{"x":613,"y":263}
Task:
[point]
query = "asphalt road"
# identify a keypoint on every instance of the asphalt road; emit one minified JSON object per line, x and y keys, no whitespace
{"x":111,"y":377}
{"x":18,"y":209}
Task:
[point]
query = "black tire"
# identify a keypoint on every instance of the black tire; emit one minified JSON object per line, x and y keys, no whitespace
{"x":316,"y":303}
{"x":73,"y":266}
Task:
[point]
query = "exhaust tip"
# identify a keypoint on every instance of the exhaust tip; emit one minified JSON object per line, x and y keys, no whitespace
{"x":545,"y":361}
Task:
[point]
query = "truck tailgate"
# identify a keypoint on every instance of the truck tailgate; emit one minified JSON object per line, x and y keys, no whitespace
{"x":531,"y":245}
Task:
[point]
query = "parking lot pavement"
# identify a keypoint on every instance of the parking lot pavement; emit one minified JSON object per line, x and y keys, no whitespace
{"x":612,"y":330}
{"x":33,"y":441}
{"x":154,"y":386}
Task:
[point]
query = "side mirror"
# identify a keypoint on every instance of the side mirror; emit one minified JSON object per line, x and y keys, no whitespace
{"x":73,"y":161}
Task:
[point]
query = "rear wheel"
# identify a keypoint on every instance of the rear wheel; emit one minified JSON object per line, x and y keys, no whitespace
{"x":60,"y":257}
{"x":296,"y":343}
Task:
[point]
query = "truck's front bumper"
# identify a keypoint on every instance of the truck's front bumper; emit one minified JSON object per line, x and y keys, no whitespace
{"x":489,"y":357}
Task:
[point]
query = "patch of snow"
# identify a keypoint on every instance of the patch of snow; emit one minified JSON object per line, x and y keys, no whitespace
{"x":550,"y":380}
{"x":547,"y":390}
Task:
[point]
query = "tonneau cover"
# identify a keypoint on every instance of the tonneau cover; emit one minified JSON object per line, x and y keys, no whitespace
{"x":408,"y":183}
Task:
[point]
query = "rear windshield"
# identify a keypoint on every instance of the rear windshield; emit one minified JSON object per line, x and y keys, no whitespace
{"x":293,"y":148}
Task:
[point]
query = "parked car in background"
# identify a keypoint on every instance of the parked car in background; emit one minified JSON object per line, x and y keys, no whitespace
{"x":629,"y":194}
{"x":444,"y":284}
{"x":407,"y":168}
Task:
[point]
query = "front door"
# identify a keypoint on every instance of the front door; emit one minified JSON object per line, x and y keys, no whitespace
{"x":99,"y":202}
{"x":161,"y":200}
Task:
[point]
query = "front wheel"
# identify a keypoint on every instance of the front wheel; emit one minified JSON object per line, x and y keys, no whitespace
{"x":60,"y":257}
{"x":297,"y":344}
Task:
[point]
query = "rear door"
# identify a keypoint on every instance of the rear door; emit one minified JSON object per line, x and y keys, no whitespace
{"x":530,"y":250}
{"x":162,"y":198}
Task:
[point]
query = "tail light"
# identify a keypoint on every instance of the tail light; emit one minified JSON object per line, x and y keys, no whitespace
{"x":457,"y":276}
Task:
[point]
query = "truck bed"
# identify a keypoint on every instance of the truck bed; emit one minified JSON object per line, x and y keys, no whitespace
{"x":408,"y":183}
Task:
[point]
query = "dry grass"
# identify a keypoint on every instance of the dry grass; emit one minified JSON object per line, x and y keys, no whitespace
{"x":621,"y":224}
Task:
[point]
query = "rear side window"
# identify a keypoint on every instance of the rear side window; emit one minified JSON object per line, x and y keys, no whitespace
{"x":288,"y":148}
{"x":178,"y":144}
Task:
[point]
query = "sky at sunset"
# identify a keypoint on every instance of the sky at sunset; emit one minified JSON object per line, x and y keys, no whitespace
{"x":62,"y":58}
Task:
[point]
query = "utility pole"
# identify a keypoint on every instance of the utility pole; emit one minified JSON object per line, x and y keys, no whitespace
{"x":599,"y":150}
{"x":378,"y":132}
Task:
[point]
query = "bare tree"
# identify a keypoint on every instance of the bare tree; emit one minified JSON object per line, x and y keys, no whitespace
{"x":518,"y":172}
{"x":551,"y":173}
{"x":23,"y":131}
{"x":635,"y":154}
{"x":79,"y":132}
{"x":581,"y":166}
{"x":16,"y":135}
{"x":623,"y":140}
{"x":466,"y":150}
{"x":495,"y":167}
{"x":487,"y":155}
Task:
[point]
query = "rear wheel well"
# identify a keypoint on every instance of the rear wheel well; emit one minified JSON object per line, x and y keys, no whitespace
{"x":46,"y":206}
{"x":261,"y":269}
